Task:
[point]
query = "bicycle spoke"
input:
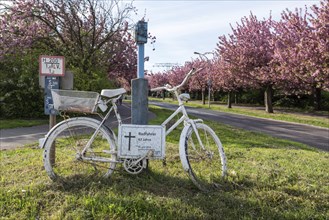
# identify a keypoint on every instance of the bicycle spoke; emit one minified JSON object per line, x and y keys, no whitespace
{"x":206,"y":160}
{"x":69,"y":140}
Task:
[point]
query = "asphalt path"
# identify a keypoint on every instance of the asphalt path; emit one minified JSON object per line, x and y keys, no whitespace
{"x":18,"y":137}
{"x":310,"y":135}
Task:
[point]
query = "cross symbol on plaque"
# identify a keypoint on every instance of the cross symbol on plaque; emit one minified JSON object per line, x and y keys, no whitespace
{"x":129,"y":143}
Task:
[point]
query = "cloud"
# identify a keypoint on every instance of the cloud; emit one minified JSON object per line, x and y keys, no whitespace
{"x":182,"y":27}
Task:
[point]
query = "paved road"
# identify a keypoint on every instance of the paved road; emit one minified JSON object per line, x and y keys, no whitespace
{"x":18,"y":137}
{"x":310,"y":135}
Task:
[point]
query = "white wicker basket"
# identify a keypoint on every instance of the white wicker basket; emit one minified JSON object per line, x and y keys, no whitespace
{"x":75,"y":101}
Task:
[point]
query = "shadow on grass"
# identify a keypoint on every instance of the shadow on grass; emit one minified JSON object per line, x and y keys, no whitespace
{"x":154,"y":192}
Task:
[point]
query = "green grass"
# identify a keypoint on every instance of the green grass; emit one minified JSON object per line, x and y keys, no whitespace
{"x":269,"y":178}
{"x":289,"y":115}
{"x":16,"y":123}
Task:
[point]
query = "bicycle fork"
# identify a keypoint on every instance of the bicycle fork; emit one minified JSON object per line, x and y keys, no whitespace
{"x":193,"y":124}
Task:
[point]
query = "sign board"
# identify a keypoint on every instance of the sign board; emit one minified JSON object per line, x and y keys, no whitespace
{"x":52,"y":65}
{"x":66,"y":82}
{"x":50,"y":83}
{"x":136,"y":141}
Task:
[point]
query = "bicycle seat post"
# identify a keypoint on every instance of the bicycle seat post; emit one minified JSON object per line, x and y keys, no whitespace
{"x":115,"y":108}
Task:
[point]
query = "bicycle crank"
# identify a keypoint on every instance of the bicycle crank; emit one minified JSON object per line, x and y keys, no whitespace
{"x":135,"y":165}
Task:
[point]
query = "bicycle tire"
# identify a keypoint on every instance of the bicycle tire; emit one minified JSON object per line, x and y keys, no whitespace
{"x":68,"y":138}
{"x":206,"y":167}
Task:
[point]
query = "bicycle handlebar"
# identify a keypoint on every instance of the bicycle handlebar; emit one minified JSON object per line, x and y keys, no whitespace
{"x":170,"y":88}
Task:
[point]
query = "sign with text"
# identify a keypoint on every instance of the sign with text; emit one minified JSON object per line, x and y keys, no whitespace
{"x":52,"y":65}
{"x":50,"y":83}
{"x":137,"y":140}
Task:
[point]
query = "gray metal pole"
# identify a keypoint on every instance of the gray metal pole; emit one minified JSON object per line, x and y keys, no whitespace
{"x":139,"y":86}
{"x":139,"y":102}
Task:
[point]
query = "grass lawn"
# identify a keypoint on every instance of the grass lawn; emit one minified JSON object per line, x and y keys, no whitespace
{"x":16,"y":123}
{"x":289,"y":115}
{"x":269,"y":178}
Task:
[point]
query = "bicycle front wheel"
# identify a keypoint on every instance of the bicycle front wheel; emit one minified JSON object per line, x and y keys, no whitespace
{"x":64,"y":159}
{"x":203,"y":158}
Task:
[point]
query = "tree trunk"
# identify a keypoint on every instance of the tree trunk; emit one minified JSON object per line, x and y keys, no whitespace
{"x":316,"y":98}
{"x":229,"y":100}
{"x":268,"y":99}
{"x":203,"y":97}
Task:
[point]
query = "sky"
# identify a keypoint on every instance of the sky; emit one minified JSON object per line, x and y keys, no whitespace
{"x":184,"y":27}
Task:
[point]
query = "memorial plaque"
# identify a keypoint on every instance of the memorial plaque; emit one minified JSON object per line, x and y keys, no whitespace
{"x":137,"y":140}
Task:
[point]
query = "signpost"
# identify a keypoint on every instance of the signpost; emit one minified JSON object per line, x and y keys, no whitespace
{"x":139,"y":91}
{"x":209,"y":88}
{"x":52,"y":68}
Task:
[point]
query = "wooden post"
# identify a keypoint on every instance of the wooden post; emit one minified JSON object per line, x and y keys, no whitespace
{"x":52,"y":123}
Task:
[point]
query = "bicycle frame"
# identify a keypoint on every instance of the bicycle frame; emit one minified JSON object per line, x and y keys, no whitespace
{"x":131,"y":145}
{"x":181,"y":109}
{"x":184,"y":117}
{"x":113,"y":108}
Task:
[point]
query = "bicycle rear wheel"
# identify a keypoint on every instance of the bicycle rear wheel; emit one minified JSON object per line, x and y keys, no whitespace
{"x":206,"y":162}
{"x":63,"y":159}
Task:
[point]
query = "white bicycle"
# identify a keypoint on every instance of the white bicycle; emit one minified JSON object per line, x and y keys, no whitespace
{"x":81,"y":148}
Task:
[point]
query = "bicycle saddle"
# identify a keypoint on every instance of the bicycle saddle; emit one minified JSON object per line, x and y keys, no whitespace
{"x":110,"y":93}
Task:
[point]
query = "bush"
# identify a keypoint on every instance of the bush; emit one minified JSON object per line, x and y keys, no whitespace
{"x":256,"y":97}
{"x":21,"y":99}
{"x":20,"y":94}
{"x":96,"y":81}
{"x":301,"y":101}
